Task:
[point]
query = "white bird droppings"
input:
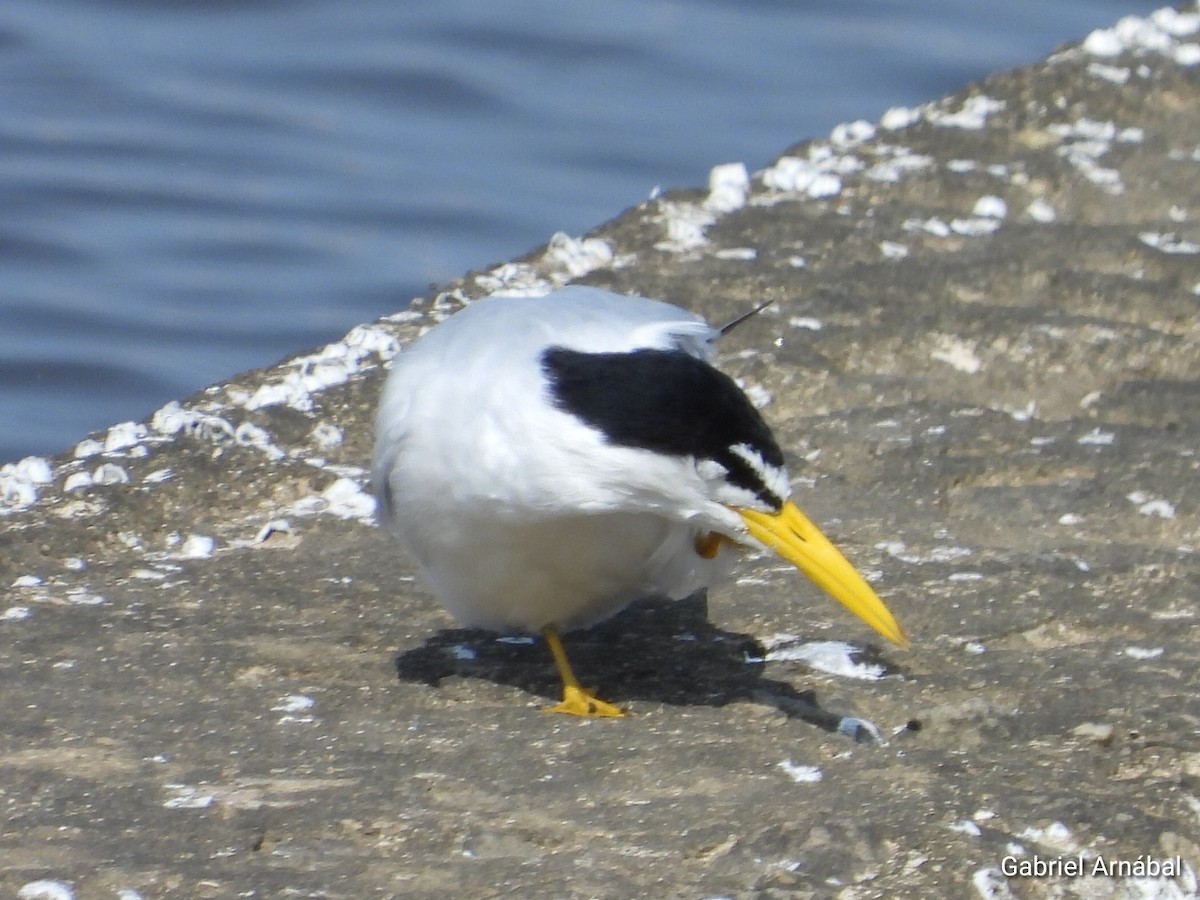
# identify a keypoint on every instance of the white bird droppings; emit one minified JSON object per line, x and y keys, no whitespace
{"x":197,"y":546}
{"x":330,"y":366}
{"x":831,"y":657}
{"x":110,"y":473}
{"x":295,"y":709}
{"x":77,"y":481}
{"x":294,"y":703}
{"x":1103,"y":42}
{"x":900,"y":551}
{"x":250,"y":435}
{"x":806,"y":322}
{"x":1097,"y":438}
{"x":33,"y":468}
{"x":849,"y":135}
{"x":990,"y":207}
{"x":1041,"y":211}
{"x":83,"y":597}
{"x":899,"y":117}
{"x":728,"y":186}
{"x":990,"y":884}
{"x":817,"y":176}
{"x":327,"y":435}
{"x":45,"y":889}
{"x":1149,"y":505}
{"x":272,"y":528}
{"x":1159,"y":34}
{"x":934,"y":226}
{"x":971,"y":116}
{"x":685,"y":224}
{"x":1115,"y":74}
{"x":1175,"y":23}
{"x":759,"y":396}
{"x":188,"y":797}
{"x":346,"y":499}
{"x":974,"y":227}
{"x":88,"y":447}
{"x":572,"y":257}
{"x":1169,"y":243}
{"x":124,"y":435}
{"x":19,"y":482}
{"x":1084,"y":142}
{"x":1055,"y":835}
{"x":148,"y":575}
{"x":801,"y":774}
{"x":896,"y":163}
{"x":957,"y":354}
{"x":1143,"y":652}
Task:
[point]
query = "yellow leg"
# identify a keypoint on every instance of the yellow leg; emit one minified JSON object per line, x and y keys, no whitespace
{"x":576,"y":700}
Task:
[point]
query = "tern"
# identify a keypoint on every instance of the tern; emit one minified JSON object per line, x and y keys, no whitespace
{"x":548,"y":460}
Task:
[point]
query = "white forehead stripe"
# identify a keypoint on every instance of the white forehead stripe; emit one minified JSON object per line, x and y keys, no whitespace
{"x":774,"y":478}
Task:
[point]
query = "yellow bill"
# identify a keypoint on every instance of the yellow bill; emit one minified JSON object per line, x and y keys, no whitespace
{"x":790,"y":534}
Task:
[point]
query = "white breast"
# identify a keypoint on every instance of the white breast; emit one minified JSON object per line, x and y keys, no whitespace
{"x":519,"y":515}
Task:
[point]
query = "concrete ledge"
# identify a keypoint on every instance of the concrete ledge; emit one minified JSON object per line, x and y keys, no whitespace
{"x":219,"y":680}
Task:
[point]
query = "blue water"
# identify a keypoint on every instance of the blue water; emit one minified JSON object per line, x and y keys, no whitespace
{"x":193,"y":188}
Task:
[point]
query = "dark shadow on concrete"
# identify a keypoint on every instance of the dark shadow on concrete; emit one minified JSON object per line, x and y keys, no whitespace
{"x":657,"y":650}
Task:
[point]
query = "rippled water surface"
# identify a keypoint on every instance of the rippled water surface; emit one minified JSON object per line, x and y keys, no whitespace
{"x":190,"y":189}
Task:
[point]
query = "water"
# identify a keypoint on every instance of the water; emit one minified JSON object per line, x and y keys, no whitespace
{"x":193,"y":188}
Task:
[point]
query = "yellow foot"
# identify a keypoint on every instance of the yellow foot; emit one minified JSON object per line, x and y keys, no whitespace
{"x":579,"y":702}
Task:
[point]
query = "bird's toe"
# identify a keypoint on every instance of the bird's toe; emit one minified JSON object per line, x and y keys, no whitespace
{"x":577,"y":701}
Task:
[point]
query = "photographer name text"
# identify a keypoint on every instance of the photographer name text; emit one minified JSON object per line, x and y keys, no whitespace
{"x":1144,"y":866}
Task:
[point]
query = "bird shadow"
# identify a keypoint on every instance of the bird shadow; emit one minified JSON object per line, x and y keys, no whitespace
{"x":659,"y":650}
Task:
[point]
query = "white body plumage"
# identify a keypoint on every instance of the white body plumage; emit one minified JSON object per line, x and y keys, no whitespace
{"x":521,"y":513}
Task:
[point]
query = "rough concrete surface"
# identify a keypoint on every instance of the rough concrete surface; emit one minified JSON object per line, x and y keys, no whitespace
{"x":219,"y":680}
